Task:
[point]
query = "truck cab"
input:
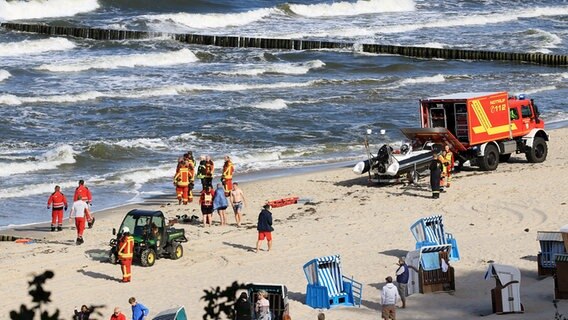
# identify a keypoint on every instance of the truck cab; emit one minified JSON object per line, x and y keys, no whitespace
{"x":483,"y":127}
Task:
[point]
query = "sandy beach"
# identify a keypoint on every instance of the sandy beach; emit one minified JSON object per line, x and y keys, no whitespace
{"x":494,"y":216}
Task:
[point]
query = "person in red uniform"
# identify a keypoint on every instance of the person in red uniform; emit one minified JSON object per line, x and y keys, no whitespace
{"x":209,"y":169}
{"x":85,"y":194}
{"x":227,"y":175}
{"x":206,"y":202}
{"x":181,"y":181}
{"x":117,"y":315}
{"x":57,"y":203}
{"x":125,"y":254}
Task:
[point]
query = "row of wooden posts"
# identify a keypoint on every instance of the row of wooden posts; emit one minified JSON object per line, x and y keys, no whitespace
{"x":291,"y":44}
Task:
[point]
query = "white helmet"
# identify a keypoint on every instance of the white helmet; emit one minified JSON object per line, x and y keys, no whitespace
{"x":125,"y":229}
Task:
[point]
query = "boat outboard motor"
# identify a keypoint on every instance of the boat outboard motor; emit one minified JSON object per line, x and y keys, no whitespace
{"x":383,"y":158}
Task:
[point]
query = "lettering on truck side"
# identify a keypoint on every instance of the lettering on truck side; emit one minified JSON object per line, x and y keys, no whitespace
{"x":486,"y":125}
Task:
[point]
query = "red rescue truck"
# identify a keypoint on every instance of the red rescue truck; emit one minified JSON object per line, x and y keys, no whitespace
{"x":484,"y":128}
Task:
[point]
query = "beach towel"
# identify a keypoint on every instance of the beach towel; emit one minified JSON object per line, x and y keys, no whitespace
{"x":431,"y":261}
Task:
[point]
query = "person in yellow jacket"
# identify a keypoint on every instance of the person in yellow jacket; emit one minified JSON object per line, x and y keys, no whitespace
{"x":444,"y":171}
{"x":449,"y":164}
{"x":181,"y":181}
{"x":191,"y":173}
{"x":125,"y":254}
{"x":227,"y":176}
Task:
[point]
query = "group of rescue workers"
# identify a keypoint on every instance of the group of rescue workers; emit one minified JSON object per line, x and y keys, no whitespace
{"x":441,"y":170}
{"x":82,"y":200}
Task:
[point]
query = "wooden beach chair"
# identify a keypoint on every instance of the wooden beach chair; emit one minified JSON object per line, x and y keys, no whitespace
{"x":561,"y":276}
{"x":429,"y":270}
{"x":430,"y":231}
{"x":506,"y":296}
{"x":328,"y":287}
{"x":551,"y":244}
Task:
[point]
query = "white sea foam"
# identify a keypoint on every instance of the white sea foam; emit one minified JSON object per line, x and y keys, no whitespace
{"x":276,"y":104}
{"x":33,"y":9}
{"x":146,"y":143}
{"x":140,"y":176}
{"x":352,"y":8}
{"x":280,"y":68}
{"x":541,"y":89}
{"x":28,"y":47}
{"x":125,"y":61}
{"x":4,"y":75}
{"x":10,"y":99}
{"x":36,"y":189}
{"x":433,"y":79}
{"x":49,"y":160}
{"x":213,"y":20}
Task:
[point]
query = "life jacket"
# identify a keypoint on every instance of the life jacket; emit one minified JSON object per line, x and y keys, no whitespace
{"x":450,"y":159}
{"x":126,"y":248}
{"x":182,"y":177}
{"x":58,"y":200}
{"x":228,"y":170}
{"x":209,"y":168}
{"x":201,"y":170}
{"x":207,"y":198}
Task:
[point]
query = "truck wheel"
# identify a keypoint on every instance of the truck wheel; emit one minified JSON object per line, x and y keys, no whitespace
{"x":112,"y":258}
{"x":148,"y":257}
{"x":490,"y":160}
{"x":176,"y":251}
{"x":504,"y":157}
{"x":538,"y":152}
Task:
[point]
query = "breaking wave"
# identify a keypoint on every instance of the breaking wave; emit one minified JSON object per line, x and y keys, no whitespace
{"x":15,"y":10}
{"x":294,"y":69}
{"x":212,"y":20}
{"x":49,"y":160}
{"x":4,"y":75}
{"x":276,"y":104}
{"x":28,"y":47}
{"x":125,"y":61}
{"x":352,"y":8}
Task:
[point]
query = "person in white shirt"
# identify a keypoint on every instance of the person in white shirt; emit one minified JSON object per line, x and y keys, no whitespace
{"x":80,"y":211}
{"x":389,"y":297}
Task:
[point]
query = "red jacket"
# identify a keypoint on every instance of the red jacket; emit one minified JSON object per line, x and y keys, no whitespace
{"x":84,"y":192}
{"x":119,"y":316}
{"x":57,"y":200}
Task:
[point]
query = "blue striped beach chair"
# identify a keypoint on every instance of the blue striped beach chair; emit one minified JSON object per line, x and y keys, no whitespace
{"x":328,"y":287}
{"x":430,"y":231}
{"x":551,"y":244}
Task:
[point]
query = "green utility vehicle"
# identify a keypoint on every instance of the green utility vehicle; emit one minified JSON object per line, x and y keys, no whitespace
{"x":153,"y":238}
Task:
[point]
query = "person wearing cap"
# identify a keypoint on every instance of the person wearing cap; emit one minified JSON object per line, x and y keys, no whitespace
{"x":125,"y":254}
{"x":264,"y":227}
{"x":402,"y":275}
{"x":389,"y":297}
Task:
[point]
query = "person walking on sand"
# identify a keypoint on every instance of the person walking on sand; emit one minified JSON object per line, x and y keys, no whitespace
{"x":264,"y":227}
{"x":139,"y":311}
{"x":206,"y":201}
{"x":84,"y":192}
{"x":220,"y":203}
{"x":262,"y":306}
{"x":389,"y":297}
{"x":58,"y":203}
{"x":80,"y":211}
{"x":237,"y":201}
{"x":402,"y":275}
{"x":126,"y":254}
{"x":117,"y":314}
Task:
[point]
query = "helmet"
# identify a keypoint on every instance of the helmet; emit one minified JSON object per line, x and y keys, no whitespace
{"x":125,"y":229}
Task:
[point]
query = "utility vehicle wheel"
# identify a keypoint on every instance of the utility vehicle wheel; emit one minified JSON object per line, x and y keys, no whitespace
{"x":413,"y":176}
{"x":148,"y":257}
{"x":504,"y":157}
{"x":112,"y":258}
{"x":490,"y":160}
{"x":538,"y":152}
{"x":176,"y":251}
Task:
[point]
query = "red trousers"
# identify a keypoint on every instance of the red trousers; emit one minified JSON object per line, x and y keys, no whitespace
{"x":57,"y":217}
{"x":80,"y":225}
{"x":183,"y":193}
{"x":228,"y":186}
{"x":125,"y":266}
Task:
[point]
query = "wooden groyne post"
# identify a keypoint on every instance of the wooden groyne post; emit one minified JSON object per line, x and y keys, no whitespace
{"x":292,"y":44}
